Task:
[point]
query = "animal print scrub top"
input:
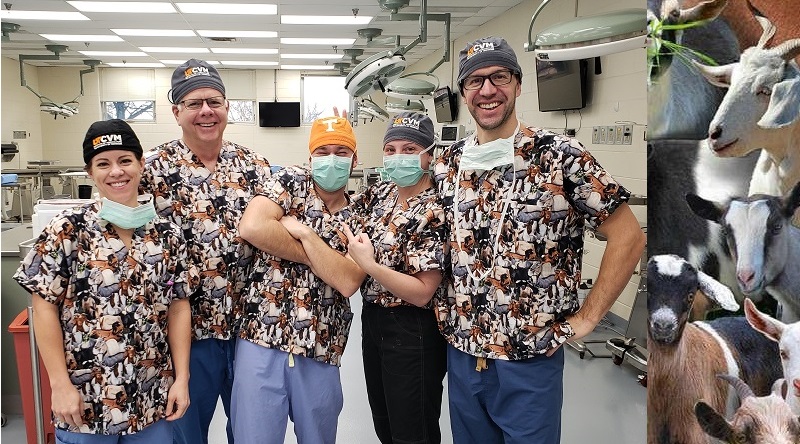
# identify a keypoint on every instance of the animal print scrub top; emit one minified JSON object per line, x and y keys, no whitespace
{"x":113,"y":306}
{"x":528,"y":267}
{"x":285,"y":306}
{"x":208,"y":206}
{"x":408,"y":237}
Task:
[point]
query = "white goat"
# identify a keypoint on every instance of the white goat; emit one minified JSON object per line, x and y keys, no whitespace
{"x":685,"y":357}
{"x":763,"y":242}
{"x":788,"y":338}
{"x":760,"y":110}
{"x":759,"y":420}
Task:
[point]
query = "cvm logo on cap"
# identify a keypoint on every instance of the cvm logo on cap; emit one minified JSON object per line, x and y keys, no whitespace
{"x":479,"y":48}
{"x":195,"y":71}
{"x":407,"y":122}
{"x":106,"y":140}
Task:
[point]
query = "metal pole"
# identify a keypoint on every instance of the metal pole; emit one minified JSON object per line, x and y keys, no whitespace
{"x":37,"y":387}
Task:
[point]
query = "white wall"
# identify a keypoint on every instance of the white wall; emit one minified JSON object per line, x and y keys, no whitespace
{"x":619,"y":94}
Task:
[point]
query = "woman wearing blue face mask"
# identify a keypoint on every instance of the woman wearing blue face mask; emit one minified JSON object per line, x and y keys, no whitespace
{"x":108,"y":281}
{"x":402,"y":249}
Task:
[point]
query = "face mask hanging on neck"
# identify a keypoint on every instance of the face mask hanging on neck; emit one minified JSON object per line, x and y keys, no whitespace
{"x":124,"y":216}
{"x":489,"y":155}
{"x":405,"y":169}
{"x":331,"y":172}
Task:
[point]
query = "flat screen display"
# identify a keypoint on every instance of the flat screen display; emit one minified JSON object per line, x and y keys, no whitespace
{"x":445,"y":105}
{"x":561,"y":85}
{"x":278,"y":114}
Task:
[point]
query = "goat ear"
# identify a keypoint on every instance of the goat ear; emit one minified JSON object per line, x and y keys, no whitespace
{"x":770,"y":327}
{"x":713,"y":423}
{"x":716,"y":75}
{"x":783,"y":106}
{"x":704,"y":208}
{"x":717,"y":292}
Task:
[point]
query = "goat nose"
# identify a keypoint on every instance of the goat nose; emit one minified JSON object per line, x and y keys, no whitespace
{"x":715,"y":133}
{"x":746,"y":278}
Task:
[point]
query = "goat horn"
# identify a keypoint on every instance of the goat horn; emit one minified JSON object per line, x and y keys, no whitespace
{"x":788,"y":49}
{"x":766,"y":25}
{"x":706,"y":10}
{"x":742,"y":389}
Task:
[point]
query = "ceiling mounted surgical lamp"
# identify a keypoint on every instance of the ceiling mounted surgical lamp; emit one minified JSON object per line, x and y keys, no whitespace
{"x":372,"y":110}
{"x":589,"y":36}
{"x":406,"y":105}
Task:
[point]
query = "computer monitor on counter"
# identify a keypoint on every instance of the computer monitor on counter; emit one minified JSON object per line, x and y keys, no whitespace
{"x":451,"y":133}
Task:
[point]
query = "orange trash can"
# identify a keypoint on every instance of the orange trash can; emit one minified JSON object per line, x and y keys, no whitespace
{"x":19,"y":329}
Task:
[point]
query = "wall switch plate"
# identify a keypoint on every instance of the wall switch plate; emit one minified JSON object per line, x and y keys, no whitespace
{"x":595,"y":135}
{"x":618,"y":134}
{"x":603,"y":131}
{"x":611,"y":137}
{"x":627,"y":134}
{"x":20,"y":134}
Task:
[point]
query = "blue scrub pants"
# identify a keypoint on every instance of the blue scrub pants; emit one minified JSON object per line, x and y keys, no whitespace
{"x":267,"y":392}
{"x":511,"y":402}
{"x":211,"y":377}
{"x":159,"y":432}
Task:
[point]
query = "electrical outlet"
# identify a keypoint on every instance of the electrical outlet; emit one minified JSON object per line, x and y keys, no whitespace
{"x":595,"y":135}
{"x":603,"y":131}
{"x":627,"y":134}
{"x":618,"y":134}
{"x":611,"y":136}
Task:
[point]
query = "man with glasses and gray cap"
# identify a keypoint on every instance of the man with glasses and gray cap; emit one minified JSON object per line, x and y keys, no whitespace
{"x":517,"y":199}
{"x":203,"y":183}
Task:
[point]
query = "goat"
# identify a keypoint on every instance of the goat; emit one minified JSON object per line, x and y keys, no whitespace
{"x":685,"y":357}
{"x":763,"y":242}
{"x":681,"y":103}
{"x":759,"y":420}
{"x":788,"y":338}
{"x":760,"y":110}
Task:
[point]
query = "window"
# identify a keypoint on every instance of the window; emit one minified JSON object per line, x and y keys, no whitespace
{"x":321,"y":94}
{"x":242,"y":111}
{"x":131,"y":110}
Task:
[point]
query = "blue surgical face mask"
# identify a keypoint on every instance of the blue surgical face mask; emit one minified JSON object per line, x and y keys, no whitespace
{"x":404,"y":169}
{"x":331,"y":172}
{"x":489,"y":155}
{"x":124,"y":216}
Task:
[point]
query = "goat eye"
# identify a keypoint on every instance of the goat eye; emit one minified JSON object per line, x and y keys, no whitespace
{"x":784,"y":355}
{"x":690,"y":297}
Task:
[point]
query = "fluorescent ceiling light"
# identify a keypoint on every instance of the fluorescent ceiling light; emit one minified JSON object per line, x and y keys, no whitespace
{"x":248,"y":62}
{"x":234,"y":34}
{"x":173,"y":49}
{"x":315,"y":41}
{"x":135,"y":65}
{"x":113,"y":53}
{"x":81,"y":38}
{"x":308,"y":67}
{"x":156,"y":32}
{"x":244,"y":50}
{"x":134,"y":7}
{"x":228,"y":8}
{"x":312,"y":56}
{"x":325,"y":20}
{"x":42,"y":15}
{"x":181,"y":62}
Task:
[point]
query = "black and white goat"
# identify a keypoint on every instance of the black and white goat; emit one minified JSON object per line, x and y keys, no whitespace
{"x":763,"y":242}
{"x":685,"y":357}
{"x":759,"y":420}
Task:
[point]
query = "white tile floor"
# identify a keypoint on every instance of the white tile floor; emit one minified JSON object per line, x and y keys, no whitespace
{"x":603,"y":403}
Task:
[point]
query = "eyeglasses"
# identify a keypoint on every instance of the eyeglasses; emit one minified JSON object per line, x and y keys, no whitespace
{"x":498,"y":78}
{"x":195,"y":104}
